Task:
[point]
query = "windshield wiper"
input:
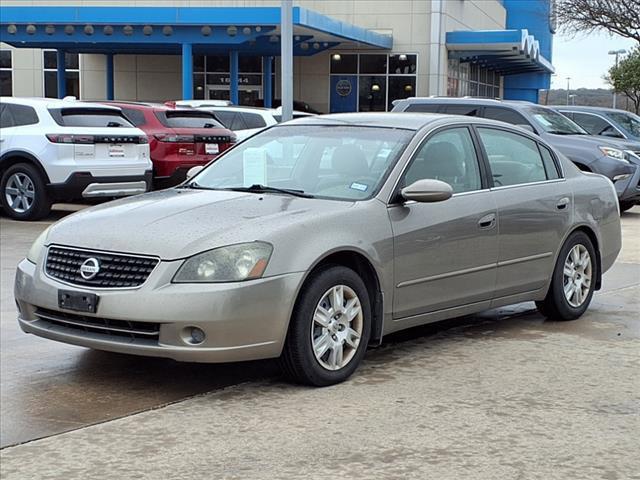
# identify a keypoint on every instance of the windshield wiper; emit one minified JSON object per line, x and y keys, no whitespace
{"x":257,"y":188}
{"x":195,"y":186}
{"x":564,"y":132}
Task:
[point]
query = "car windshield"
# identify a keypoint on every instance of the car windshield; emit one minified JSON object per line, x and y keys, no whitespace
{"x":628,"y":122}
{"x":553,"y":122}
{"x":337,"y":162}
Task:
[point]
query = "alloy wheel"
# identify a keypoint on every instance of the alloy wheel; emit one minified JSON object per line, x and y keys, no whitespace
{"x":337,"y":327}
{"x":20,"y":192}
{"x":577,"y":275}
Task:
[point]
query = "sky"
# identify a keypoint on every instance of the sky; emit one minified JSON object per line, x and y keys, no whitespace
{"x":584,"y":58}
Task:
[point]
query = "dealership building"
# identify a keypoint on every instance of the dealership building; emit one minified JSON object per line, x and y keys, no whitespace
{"x":349,"y":55}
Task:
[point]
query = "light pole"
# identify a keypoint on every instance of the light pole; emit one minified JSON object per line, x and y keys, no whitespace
{"x":568,"y":89}
{"x":616,"y":53}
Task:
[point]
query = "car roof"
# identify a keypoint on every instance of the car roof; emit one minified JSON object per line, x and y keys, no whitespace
{"x":408,"y":121}
{"x":468,"y":101}
{"x":54,"y":102}
{"x":585,"y":108}
{"x":157,"y":107}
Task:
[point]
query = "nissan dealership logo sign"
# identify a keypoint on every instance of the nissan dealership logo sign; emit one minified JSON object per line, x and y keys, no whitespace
{"x":89,"y":268}
{"x":343,"y":88}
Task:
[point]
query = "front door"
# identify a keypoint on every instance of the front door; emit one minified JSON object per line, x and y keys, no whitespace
{"x":445,"y":252}
{"x":344,"y":93}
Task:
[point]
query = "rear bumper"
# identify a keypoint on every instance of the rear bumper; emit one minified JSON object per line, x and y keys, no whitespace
{"x":85,"y":185}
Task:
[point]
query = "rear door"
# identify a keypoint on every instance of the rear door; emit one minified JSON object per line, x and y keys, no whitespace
{"x":534,"y":208}
{"x":445,"y":253}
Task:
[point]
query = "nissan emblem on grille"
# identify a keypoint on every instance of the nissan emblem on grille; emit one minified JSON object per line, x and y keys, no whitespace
{"x":90,"y":268}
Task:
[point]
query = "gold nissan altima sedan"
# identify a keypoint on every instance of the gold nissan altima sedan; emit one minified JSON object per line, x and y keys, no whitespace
{"x":317,"y":237}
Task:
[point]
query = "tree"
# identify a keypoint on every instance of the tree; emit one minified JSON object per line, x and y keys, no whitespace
{"x":625,"y":77}
{"x":618,"y":17}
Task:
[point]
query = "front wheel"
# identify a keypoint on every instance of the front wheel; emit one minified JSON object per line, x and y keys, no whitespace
{"x":329,"y":329}
{"x":573,"y":280}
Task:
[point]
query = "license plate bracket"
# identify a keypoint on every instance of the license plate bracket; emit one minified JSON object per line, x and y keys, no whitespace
{"x":78,"y":301}
{"x":116,"y":150}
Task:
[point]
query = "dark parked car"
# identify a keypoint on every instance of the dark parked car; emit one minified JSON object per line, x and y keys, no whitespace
{"x":616,"y":159}
{"x":608,"y":122}
{"x":179,"y":138}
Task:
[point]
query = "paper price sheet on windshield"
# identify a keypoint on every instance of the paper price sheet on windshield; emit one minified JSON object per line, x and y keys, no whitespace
{"x":254,"y":165}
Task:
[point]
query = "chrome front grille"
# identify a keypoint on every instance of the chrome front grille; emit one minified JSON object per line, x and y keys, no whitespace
{"x":116,"y":329}
{"x":115,"y":270}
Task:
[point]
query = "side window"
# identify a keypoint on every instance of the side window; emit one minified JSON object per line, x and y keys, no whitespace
{"x":23,"y":115}
{"x":135,"y":116}
{"x":468,"y":110}
{"x":549,"y":164}
{"x":448,"y":156}
{"x":514,"y":159}
{"x":253,"y":120}
{"x":6,"y":119}
{"x":423,"y":108}
{"x":591,"y":123}
{"x":504,"y":115}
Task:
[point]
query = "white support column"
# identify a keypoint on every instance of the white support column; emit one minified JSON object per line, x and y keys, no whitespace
{"x":436,"y":69}
{"x":286,"y":58}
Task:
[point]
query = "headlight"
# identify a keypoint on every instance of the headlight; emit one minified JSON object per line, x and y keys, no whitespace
{"x":38,"y":245}
{"x":614,"y":153}
{"x":234,"y":263}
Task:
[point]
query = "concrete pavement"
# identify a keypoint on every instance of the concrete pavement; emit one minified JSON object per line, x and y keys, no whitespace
{"x":502,"y":395}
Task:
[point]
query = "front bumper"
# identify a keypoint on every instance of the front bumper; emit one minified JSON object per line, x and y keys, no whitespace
{"x":241,"y":321}
{"x":628,"y":190}
{"x":86,"y":185}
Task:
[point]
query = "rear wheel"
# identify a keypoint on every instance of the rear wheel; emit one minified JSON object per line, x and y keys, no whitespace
{"x":23,"y":193}
{"x":573,"y":280}
{"x":329,"y":329}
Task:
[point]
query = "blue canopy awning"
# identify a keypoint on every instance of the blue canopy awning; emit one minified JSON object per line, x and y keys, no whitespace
{"x":254,"y":30}
{"x":505,"y":51}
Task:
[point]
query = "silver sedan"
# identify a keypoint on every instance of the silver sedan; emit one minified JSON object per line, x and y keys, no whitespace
{"x":315,"y":238}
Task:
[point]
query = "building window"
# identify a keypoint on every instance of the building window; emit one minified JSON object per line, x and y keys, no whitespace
{"x":72,"y":74}
{"x":468,"y":79}
{"x":381,"y":78}
{"x":6,"y":73}
{"x":212,"y":76}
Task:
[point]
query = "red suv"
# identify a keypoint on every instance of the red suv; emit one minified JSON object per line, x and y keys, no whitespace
{"x":179,"y":138}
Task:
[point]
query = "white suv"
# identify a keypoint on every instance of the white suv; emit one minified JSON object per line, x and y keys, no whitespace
{"x":245,"y":121}
{"x":62,"y":150}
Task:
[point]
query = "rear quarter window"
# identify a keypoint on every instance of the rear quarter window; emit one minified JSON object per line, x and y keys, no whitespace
{"x":505,"y":115}
{"x":14,"y":115}
{"x":134,"y":116}
{"x":253,"y":120}
{"x":423,"y":108}
{"x":89,"y":117}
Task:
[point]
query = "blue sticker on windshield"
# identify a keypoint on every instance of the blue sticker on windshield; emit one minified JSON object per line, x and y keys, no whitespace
{"x":359,"y":186}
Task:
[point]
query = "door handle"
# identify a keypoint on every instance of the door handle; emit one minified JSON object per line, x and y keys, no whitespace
{"x":487,"y":222}
{"x":562,"y":203}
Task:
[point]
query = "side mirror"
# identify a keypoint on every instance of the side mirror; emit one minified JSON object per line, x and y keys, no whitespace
{"x":193,"y":171}
{"x":427,"y":191}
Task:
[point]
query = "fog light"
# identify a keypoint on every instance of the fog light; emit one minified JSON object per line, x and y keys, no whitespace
{"x":194,"y":335}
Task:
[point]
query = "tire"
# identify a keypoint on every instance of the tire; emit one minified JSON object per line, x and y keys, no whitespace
{"x":624,"y":206}
{"x":299,"y":360}
{"x":23,"y":193}
{"x":560,"y":306}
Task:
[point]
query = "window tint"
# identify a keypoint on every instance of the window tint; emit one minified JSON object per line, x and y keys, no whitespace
{"x":135,"y":116}
{"x":253,"y":120}
{"x":592,"y":123}
{"x":514,"y":159}
{"x":6,"y":120}
{"x":504,"y":115}
{"x":469,"y":110}
{"x":89,"y":117}
{"x":423,"y":107}
{"x":23,"y":115}
{"x":448,"y":156}
{"x":549,"y":164}
{"x":181,"y":119}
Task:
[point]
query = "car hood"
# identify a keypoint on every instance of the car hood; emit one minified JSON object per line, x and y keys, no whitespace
{"x":178,"y":223}
{"x":586,"y":146}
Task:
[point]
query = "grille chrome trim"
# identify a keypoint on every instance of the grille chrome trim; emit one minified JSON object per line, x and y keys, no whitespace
{"x":112,"y":329}
{"x":123,"y":278}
